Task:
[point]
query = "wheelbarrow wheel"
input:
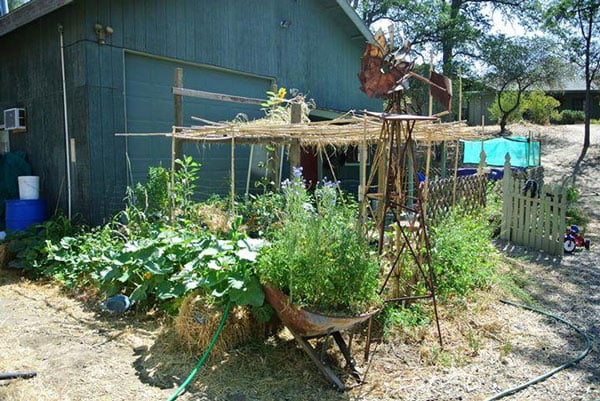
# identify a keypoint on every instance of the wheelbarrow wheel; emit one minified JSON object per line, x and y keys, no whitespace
{"x":586,"y":244}
{"x":569,"y":245}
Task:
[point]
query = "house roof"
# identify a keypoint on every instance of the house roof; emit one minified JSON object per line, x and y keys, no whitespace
{"x":571,"y":85}
{"x":29,"y":12}
{"x":35,"y":9}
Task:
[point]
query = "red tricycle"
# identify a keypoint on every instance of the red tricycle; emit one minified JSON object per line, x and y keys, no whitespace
{"x":573,"y":239}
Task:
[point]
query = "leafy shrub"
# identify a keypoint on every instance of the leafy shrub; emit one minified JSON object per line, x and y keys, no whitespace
{"x":574,"y":214}
{"x":540,"y":108}
{"x":507,"y":100}
{"x":155,"y":201}
{"x":153,"y":197}
{"x":462,"y":253}
{"x":261,"y":212}
{"x":570,"y":117}
{"x":29,"y":246}
{"x":403,"y":316}
{"x":319,"y":256}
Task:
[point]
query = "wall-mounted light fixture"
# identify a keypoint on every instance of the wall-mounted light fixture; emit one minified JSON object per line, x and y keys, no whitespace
{"x":285,"y":23}
{"x":102,"y":32}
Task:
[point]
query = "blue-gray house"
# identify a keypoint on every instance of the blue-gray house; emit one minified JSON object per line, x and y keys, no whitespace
{"x":119,"y":58}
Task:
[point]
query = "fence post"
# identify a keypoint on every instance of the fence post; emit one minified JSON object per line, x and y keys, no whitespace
{"x":506,"y":199}
{"x":560,"y":223}
{"x":482,"y":162}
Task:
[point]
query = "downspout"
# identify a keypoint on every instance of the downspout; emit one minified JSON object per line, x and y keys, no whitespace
{"x":66,"y":118}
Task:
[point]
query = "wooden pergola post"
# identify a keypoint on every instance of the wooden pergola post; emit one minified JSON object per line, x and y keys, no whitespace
{"x":294,"y":155}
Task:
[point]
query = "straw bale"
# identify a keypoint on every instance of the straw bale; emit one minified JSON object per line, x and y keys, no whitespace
{"x":5,"y":256}
{"x":214,"y":218}
{"x":198,"y":320}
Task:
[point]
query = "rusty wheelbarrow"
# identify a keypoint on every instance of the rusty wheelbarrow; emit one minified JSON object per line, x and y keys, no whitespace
{"x":305,"y":325}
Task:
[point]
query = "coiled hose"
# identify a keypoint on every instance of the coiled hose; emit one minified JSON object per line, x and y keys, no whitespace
{"x":543,"y":377}
{"x":204,"y":356}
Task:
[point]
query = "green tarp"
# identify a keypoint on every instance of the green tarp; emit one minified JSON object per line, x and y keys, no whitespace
{"x":523,"y":152}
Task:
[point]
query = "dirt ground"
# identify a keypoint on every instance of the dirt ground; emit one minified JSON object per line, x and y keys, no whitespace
{"x":80,"y":353}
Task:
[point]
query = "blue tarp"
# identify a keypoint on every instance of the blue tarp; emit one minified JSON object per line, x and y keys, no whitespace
{"x":523,"y":152}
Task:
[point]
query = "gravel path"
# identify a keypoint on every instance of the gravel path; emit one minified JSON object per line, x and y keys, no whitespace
{"x":570,"y":287}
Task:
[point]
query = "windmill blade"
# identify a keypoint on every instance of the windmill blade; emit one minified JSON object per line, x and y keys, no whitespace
{"x":441,"y":90}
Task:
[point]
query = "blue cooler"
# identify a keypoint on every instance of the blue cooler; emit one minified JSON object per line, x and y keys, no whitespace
{"x":22,"y":213}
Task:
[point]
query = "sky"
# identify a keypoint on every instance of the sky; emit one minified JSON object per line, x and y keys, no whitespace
{"x":499,"y":25}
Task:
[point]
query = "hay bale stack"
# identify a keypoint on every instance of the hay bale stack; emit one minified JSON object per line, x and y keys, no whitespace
{"x":5,"y":256}
{"x":198,"y":320}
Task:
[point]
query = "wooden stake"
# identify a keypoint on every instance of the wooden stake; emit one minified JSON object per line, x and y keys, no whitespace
{"x":171,"y":190}
{"x":426,"y":183}
{"x":232,"y":167}
{"x":362,"y":186}
{"x":455,"y":172}
{"x":459,"y":94}
{"x":178,"y":101}
{"x":430,"y":96}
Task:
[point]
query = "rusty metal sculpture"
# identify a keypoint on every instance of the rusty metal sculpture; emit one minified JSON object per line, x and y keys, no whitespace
{"x":393,"y":185}
{"x":382,"y":73}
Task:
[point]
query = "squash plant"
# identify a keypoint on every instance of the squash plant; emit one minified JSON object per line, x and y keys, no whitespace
{"x":144,"y":255}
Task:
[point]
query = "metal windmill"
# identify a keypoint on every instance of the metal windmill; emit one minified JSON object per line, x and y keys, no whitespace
{"x":393,"y":197}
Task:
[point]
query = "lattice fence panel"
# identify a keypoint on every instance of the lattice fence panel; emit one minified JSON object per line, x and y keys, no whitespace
{"x":469,"y":191}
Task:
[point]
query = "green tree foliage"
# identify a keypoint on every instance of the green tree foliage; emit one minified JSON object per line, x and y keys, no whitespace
{"x":506,"y":101}
{"x":577,"y":24}
{"x":518,"y":65}
{"x":535,"y":107}
{"x":451,"y":27}
{"x":540,"y":108}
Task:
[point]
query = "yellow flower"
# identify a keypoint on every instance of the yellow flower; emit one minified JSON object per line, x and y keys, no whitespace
{"x":147,"y":276}
{"x":281,"y":93}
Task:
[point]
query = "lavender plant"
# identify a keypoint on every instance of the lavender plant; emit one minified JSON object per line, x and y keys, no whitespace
{"x":319,"y":256}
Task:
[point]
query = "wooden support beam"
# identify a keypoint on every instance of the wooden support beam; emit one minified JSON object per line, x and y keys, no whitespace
{"x":180,"y":91}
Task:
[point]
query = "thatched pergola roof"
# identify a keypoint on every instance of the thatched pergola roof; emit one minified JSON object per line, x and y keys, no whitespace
{"x":349,"y":129}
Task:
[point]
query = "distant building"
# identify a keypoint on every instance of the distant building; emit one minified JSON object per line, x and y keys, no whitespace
{"x":570,"y":94}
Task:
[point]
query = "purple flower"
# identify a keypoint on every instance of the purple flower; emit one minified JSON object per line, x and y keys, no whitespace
{"x":297,"y":172}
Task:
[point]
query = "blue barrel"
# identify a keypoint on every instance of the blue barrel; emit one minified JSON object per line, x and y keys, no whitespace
{"x":22,"y":213}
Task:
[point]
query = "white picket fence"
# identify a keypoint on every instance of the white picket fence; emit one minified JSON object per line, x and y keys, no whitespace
{"x":534,"y":218}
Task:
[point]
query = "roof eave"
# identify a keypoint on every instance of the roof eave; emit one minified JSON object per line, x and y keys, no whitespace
{"x":29,"y":12}
{"x":360,"y":25}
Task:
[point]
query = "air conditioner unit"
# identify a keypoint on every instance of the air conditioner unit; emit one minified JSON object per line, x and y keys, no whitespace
{"x":14,"y":119}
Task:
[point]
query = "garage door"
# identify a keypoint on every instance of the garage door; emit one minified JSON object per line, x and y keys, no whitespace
{"x":149,"y":102}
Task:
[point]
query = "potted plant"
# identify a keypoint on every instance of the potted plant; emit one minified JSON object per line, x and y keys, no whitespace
{"x":319,"y":257}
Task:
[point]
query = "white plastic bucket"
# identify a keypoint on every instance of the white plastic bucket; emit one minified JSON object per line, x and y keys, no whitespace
{"x":29,"y":187}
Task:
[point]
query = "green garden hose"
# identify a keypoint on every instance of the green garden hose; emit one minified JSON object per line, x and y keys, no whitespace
{"x":204,"y":356}
{"x":543,"y":377}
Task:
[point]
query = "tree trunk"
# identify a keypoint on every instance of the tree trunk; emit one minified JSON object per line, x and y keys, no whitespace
{"x":448,"y":40}
{"x":503,"y":122}
{"x":588,"y":98}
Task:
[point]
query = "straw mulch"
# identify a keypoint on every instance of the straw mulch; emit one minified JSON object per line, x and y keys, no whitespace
{"x":199,"y":318}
